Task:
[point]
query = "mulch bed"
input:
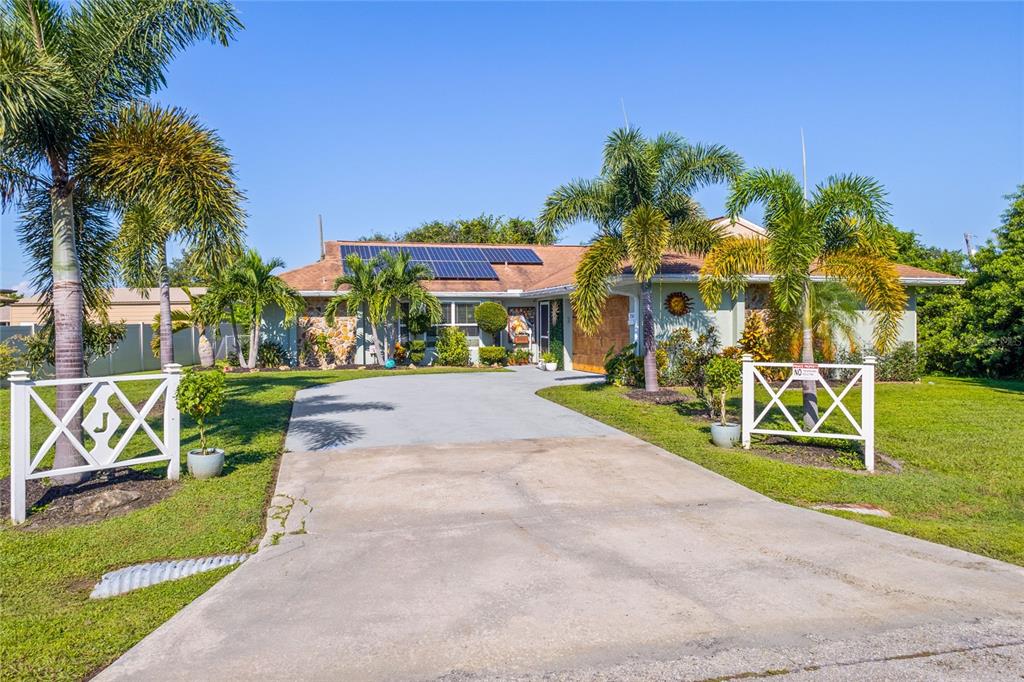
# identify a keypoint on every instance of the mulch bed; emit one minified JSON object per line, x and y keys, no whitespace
{"x":53,"y":506}
{"x":663,"y":396}
{"x":820,"y":456}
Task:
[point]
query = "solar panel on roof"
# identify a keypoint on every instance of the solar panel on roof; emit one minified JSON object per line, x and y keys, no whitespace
{"x":480,"y":270}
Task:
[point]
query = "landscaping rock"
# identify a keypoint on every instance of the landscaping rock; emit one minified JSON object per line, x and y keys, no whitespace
{"x":104,"y":501}
{"x":867,"y":509}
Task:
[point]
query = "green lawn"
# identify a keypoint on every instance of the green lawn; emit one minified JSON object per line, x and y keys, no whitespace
{"x":49,"y":629}
{"x":960,"y":443}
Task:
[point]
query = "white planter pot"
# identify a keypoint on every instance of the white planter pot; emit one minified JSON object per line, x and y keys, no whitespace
{"x":725,"y":436}
{"x":551,"y":366}
{"x":205,"y":465}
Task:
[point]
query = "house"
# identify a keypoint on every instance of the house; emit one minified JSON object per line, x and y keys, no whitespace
{"x":126,"y":305}
{"x":534,"y":282}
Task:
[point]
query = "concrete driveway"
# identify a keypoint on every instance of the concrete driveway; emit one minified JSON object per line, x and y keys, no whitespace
{"x":460,"y":527}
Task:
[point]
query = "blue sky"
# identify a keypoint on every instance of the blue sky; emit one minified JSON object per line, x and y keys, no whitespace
{"x":383,"y":116}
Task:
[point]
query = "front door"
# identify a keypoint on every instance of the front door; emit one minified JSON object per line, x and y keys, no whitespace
{"x":588,"y":351}
{"x":544,"y":326}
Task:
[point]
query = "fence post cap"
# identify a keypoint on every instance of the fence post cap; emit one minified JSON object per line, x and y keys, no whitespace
{"x":17,"y":376}
{"x":747,"y":357}
{"x":869,"y":359}
{"x":172,"y":368}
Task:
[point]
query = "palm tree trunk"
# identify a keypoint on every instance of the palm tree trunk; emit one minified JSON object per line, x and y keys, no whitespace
{"x":650,"y":343}
{"x":810,"y":388}
{"x":68,"y":316}
{"x":238,"y":339}
{"x":377,"y":345}
{"x":205,"y":348}
{"x":254,"y":342}
{"x":166,"y":330}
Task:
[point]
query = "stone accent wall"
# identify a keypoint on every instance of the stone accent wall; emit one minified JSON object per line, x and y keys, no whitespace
{"x":323,"y":345}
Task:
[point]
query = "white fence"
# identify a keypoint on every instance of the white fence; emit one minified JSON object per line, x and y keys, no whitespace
{"x":864,"y":430}
{"x":100,"y":424}
{"x":134,"y":352}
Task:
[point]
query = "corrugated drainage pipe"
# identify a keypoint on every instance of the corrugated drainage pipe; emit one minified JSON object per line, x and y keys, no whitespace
{"x":143,"y":575}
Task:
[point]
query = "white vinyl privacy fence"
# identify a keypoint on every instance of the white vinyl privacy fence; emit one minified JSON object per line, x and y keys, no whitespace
{"x":102,"y":442}
{"x":863,"y":429}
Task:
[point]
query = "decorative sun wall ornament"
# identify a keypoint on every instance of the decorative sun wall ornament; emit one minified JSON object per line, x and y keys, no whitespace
{"x":677,"y":303}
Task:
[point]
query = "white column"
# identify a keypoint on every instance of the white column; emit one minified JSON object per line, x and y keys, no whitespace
{"x":747,"y":419}
{"x":19,"y":442}
{"x":172,"y":421}
{"x":867,"y":411}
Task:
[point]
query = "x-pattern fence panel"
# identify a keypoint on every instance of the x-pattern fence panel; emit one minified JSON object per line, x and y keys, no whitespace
{"x":864,"y":428}
{"x":100,"y":424}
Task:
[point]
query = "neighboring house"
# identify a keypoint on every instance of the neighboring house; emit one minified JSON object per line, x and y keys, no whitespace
{"x":126,"y":305}
{"x":533,"y":282}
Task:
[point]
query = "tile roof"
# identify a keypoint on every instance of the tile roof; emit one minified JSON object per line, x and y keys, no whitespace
{"x":558,"y":270}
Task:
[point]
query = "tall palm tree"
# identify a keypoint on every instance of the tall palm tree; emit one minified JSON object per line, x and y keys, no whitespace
{"x":366,"y":292}
{"x":839,"y":231}
{"x":200,"y":315}
{"x":643,"y":206}
{"x":401,"y":281}
{"x":65,"y":74}
{"x":212,"y":238}
{"x":257,"y":287}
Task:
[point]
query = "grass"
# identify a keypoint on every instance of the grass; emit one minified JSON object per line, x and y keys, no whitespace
{"x":960,"y":443}
{"x":49,"y":629}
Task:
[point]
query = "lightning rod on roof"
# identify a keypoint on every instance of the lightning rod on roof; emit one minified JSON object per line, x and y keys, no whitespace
{"x":803,"y":153}
{"x":622,"y":101}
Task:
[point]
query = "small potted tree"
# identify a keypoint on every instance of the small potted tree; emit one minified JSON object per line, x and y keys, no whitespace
{"x":200,"y":396}
{"x":723,"y":375}
{"x":550,"y":361}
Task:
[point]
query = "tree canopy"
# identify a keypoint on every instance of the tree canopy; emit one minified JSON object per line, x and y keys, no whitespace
{"x":483,"y":229}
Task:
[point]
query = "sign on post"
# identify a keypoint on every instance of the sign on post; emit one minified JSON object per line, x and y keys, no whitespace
{"x":100,"y":424}
{"x":864,"y":428}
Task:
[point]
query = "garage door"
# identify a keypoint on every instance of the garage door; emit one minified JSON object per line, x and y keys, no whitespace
{"x":588,"y":351}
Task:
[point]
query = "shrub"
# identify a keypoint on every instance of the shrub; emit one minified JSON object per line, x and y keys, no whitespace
{"x":493,"y":355}
{"x":98,"y":340}
{"x":520,"y":356}
{"x":626,"y":368}
{"x":401,"y":353}
{"x":687,"y":360}
{"x":452,"y":347}
{"x":417,"y":349}
{"x":271,"y":354}
{"x":723,"y":374}
{"x":200,"y":396}
{"x":756,"y":337}
{"x":901,"y":364}
{"x":558,"y":350}
{"x":549,"y":357}
{"x":491,"y":317}
{"x":8,"y":359}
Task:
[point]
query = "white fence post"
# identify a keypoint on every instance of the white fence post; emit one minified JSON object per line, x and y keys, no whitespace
{"x":747,"y":414}
{"x":19,"y":442}
{"x":867,"y":411}
{"x":172,"y":421}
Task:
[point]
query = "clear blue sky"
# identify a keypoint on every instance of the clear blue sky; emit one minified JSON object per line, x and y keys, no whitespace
{"x":383,"y":116}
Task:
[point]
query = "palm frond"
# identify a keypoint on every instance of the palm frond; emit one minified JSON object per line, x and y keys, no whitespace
{"x":141,"y":246}
{"x":876,"y":280}
{"x":601,"y":261}
{"x":850,"y":208}
{"x":94,"y":241}
{"x":576,"y":201}
{"x":121,"y":48}
{"x":778,"y":191}
{"x":694,"y":166}
{"x":729,"y":265}
{"x":645,"y":233}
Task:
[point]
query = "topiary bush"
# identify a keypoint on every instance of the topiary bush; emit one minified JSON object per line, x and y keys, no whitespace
{"x":491,"y":317}
{"x":493,"y":355}
{"x":452,"y":348}
{"x":723,"y":374}
{"x":201,"y":395}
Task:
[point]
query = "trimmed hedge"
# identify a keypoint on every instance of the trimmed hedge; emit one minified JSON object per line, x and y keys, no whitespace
{"x":493,"y":355}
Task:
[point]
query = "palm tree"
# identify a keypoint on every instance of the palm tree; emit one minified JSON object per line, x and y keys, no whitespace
{"x":402,"y":282}
{"x":201,"y":315}
{"x":212,"y":238}
{"x":643,"y":206}
{"x":65,"y":74}
{"x":840,"y":232}
{"x":257,"y":287}
{"x":365,"y":291}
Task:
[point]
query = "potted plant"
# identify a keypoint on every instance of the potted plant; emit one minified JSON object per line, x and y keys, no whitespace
{"x":550,"y":361}
{"x":200,"y":396}
{"x":722,"y":376}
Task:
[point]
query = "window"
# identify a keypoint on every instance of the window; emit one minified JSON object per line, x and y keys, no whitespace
{"x":461,"y":315}
{"x":465,"y":313}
